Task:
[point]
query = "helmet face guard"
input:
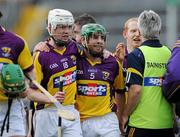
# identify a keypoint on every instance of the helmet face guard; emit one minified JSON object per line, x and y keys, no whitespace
{"x":59,"y":17}
{"x":13,"y":79}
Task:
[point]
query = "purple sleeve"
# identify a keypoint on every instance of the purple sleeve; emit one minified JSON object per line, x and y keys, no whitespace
{"x":172,"y":76}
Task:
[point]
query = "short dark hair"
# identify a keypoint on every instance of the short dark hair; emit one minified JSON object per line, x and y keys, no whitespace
{"x":1,"y":14}
{"x":84,"y":19}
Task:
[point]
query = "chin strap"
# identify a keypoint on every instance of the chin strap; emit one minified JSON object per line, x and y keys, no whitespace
{"x":60,"y":43}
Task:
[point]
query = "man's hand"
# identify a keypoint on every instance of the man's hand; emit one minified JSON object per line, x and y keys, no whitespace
{"x":122,"y":124}
{"x":41,"y":46}
{"x":120,"y":52}
{"x":24,"y":94}
{"x":60,"y":96}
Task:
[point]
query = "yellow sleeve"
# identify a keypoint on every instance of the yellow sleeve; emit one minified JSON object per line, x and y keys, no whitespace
{"x":132,"y":70}
{"x":38,"y":68}
{"x":25,"y":58}
{"x":119,"y":80}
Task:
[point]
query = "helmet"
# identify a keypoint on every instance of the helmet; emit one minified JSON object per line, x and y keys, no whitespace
{"x":87,"y":31}
{"x":13,"y":79}
{"x":90,"y":28}
{"x":60,"y":16}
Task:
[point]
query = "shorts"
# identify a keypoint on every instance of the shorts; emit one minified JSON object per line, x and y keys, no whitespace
{"x":17,"y":122}
{"x":45,"y":123}
{"x":141,"y":132}
{"x":101,"y":126}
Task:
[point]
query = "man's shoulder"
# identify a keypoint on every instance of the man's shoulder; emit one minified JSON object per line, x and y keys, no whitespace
{"x":111,"y":58}
{"x":72,"y":43}
{"x":136,"y":52}
{"x":111,"y":61}
{"x":14,"y":37}
{"x":13,"y":41}
{"x":43,"y":56}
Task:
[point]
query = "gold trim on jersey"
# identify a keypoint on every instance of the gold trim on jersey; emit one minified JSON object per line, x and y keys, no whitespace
{"x":6,"y":60}
{"x":131,"y":132}
{"x":134,"y":71}
{"x":93,"y":62}
{"x":60,"y":51}
{"x":93,"y":81}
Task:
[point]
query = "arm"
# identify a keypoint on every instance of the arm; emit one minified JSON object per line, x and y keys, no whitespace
{"x":134,"y":80}
{"x":134,"y":95}
{"x":120,"y":102}
{"x":38,"y":96}
{"x":119,"y":92}
{"x":119,"y":86}
{"x":33,"y":94}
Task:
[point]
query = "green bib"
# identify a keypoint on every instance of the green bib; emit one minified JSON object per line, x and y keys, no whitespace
{"x":153,"y":111}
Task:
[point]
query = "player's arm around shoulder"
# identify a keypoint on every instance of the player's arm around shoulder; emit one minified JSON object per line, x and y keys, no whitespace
{"x":41,"y":46}
{"x":33,"y":93}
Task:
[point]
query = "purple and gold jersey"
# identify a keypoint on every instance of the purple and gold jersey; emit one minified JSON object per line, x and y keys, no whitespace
{"x":96,"y":84}
{"x":49,"y":66}
{"x":13,"y":49}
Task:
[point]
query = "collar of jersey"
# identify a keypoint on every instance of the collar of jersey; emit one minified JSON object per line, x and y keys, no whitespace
{"x":93,"y":63}
{"x":60,"y":51}
{"x":57,"y":50}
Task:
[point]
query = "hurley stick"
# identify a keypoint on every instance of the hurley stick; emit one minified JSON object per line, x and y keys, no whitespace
{"x":62,"y":112}
{"x":60,"y":119}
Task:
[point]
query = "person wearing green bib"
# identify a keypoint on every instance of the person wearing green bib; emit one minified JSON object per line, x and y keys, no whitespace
{"x":147,"y":112}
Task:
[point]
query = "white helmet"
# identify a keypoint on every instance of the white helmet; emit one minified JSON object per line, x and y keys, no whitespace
{"x":60,"y":16}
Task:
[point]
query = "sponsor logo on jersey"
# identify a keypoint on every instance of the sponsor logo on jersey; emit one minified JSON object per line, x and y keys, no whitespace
{"x":68,"y":78}
{"x":6,"y":51}
{"x":152,"y":81}
{"x":92,"y":89}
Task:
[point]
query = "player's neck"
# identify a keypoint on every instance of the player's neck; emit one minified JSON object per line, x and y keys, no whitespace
{"x":93,"y":59}
{"x":52,"y":43}
{"x":129,"y":49}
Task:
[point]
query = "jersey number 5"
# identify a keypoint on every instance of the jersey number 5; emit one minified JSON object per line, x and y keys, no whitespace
{"x":92,"y":76}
